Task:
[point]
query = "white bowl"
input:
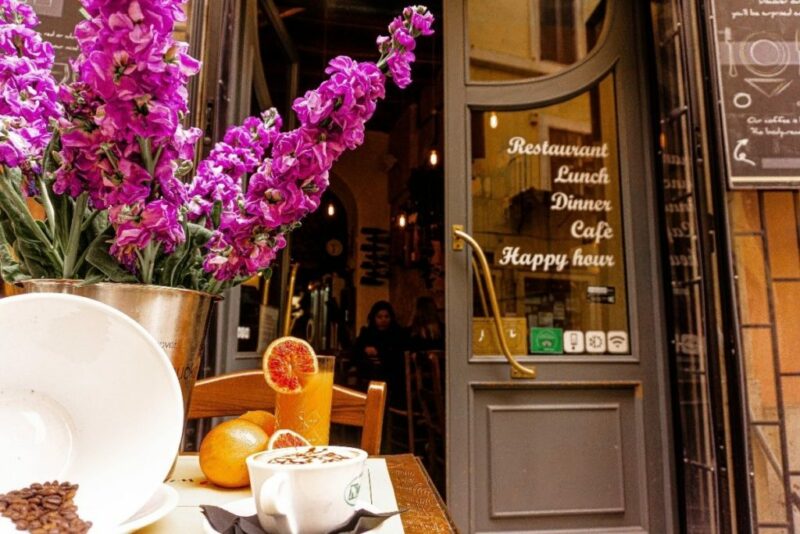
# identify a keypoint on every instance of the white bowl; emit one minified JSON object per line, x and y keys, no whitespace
{"x":86,"y":396}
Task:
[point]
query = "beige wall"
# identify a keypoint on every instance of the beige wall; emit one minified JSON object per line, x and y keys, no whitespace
{"x":365,"y":173}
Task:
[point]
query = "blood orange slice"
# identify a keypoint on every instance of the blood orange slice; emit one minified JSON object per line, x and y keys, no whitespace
{"x":287,"y":363}
{"x":286,"y":438}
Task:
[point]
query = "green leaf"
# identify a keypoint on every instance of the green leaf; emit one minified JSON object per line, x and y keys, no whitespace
{"x":169,"y":268}
{"x":15,"y":177}
{"x":100,"y":222}
{"x":32,"y":259}
{"x":184,"y":168}
{"x":99,"y":257}
{"x":200,"y":234}
{"x":24,"y":226}
{"x":30,"y":248}
{"x":216,"y":213}
{"x":93,"y":277}
{"x":10,"y":269}
{"x":7,"y":232}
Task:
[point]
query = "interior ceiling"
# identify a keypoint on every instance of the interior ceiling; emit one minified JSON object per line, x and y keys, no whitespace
{"x":323,"y":29}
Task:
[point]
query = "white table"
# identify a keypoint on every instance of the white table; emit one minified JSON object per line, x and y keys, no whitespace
{"x":194,"y":490}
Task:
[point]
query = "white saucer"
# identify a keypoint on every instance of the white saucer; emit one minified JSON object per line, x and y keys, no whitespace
{"x":160,"y":504}
{"x":247,"y":506}
{"x":77,"y":376}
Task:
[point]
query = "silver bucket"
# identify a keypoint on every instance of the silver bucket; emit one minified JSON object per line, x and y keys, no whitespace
{"x":177,"y":318}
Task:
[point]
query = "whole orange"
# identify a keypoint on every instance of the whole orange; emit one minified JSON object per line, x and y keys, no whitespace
{"x":224,"y":449}
{"x":262,"y":418}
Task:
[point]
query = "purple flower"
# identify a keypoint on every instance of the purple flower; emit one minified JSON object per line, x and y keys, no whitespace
{"x":123,"y":143}
{"x":122,"y":137}
{"x":135,"y":71}
{"x":277,"y":202}
{"x":288,"y":185}
{"x":313,"y":108}
{"x":240,"y":249}
{"x":15,"y":12}
{"x":219,"y":176}
{"x":28,"y":95}
{"x":400,"y":68}
{"x":421,"y":19}
{"x":139,"y":224}
{"x":396,"y":48}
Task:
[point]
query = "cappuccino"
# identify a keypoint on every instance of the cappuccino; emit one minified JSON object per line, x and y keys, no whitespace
{"x":305,"y":489}
{"x":314,"y":455}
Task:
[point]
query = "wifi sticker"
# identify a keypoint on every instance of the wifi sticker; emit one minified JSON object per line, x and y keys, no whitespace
{"x":618,"y":342}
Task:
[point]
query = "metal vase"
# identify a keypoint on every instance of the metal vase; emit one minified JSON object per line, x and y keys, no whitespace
{"x":177,"y":318}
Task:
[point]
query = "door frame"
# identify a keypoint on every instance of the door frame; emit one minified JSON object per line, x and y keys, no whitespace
{"x":643,"y":267}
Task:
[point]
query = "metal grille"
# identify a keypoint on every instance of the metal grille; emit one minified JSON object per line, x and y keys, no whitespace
{"x":766,"y":235}
{"x":695,"y":359}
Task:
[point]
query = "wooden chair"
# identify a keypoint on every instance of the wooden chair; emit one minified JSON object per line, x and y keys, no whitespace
{"x":411,"y":415}
{"x":430,"y":387}
{"x":236,"y":393}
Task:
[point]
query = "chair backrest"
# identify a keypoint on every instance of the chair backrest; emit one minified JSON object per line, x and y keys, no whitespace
{"x":436,"y":359}
{"x":428,"y":387}
{"x":236,"y":393}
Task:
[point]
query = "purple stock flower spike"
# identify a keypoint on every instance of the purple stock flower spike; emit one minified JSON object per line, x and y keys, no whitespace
{"x":122,"y":146}
{"x":397,"y":48}
{"x":27,"y":91}
{"x":122,"y":139}
{"x":289,"y":185}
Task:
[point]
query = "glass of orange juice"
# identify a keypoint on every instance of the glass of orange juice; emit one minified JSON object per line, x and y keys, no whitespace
{"x":309,"y":412}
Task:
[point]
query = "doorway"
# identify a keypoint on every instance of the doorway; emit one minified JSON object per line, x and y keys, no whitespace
{"x":379,"y":232}
{"x":551,"y":176}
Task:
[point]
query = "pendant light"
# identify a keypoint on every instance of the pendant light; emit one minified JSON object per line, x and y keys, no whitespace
{"x":433,"y":153}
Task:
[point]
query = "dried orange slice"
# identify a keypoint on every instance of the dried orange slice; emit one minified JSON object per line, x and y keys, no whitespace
{"x":287,"y":363}
{"x":286,"y":438}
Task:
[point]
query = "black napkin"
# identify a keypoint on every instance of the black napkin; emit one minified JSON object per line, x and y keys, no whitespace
{"x":362,"y":521}
{"x":226,"y":522}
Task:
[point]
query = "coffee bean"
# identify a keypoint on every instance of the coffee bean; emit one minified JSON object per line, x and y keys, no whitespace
{"x":44,"y":508}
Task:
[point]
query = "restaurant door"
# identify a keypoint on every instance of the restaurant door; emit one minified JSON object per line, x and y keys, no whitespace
{"x":549,"y":172}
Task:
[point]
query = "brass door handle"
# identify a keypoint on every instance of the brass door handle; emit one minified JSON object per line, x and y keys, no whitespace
{"x":459,"y":237}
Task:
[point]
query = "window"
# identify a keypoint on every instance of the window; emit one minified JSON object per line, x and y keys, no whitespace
{"x":519,"y":39}
{"x":547,"y":209}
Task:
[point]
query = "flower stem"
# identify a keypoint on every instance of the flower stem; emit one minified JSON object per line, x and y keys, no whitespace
{"x":47,"y":202}
{"x":89,"y":220}
{"x":71,"y":252}
{"x":148,"y":262}
{"x":18,"y":212}
{"x":147,"y":155}
{"x":214,"y":286}
{"x":44,"y":195}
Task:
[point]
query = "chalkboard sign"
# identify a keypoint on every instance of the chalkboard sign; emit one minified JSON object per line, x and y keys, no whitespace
{"x":758,"y":66}
{"x":57,"y":22}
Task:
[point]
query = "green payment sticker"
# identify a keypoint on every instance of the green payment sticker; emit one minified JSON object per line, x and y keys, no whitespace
{"x":547,"y":340}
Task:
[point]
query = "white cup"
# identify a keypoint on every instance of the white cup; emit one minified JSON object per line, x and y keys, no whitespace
{"x":307,"y":498}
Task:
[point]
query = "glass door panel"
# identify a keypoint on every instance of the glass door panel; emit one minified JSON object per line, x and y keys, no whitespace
{"x":546,"y":208}
{"x":522,"y":39}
